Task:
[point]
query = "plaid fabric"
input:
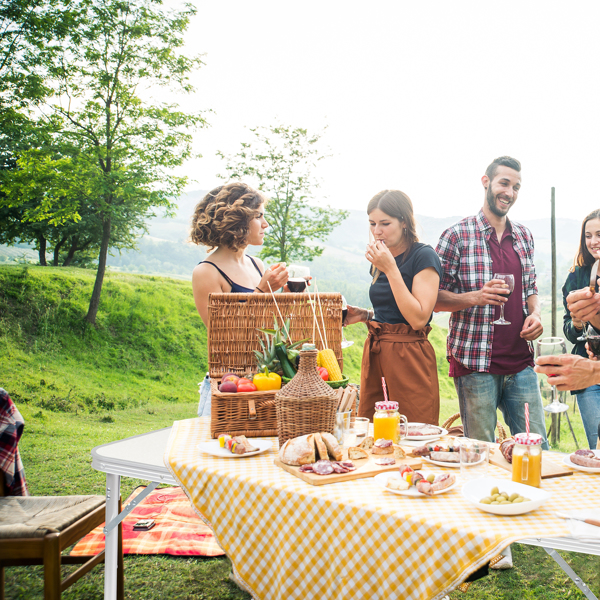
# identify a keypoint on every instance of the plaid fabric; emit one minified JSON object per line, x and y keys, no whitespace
{"x":178,"y":530}
{"x":465,"y":256}
{"x":11,"y":429}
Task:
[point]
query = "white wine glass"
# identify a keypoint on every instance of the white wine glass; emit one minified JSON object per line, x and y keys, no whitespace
{"x":509,"y":280}
{"x":345,"y":343}
{"x":552,"y":346}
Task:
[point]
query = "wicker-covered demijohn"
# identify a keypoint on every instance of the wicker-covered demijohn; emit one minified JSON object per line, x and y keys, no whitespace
{"x":306,"y":404}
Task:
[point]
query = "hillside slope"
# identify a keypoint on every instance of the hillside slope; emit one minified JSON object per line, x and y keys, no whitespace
{"x":149,"y":344}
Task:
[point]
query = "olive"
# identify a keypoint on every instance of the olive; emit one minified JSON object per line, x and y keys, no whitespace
{"x":494,"y":491}
{"x":513,"y":497}
{"x":495,"y":496}
{"x":504,"y":494}
{"x":505,"y":502}
{"x":430,"y":477}
{"x":485,"y":500}
{"x":495,"y":502}
{"x":517,"y":500}
{"x":526,"y":499}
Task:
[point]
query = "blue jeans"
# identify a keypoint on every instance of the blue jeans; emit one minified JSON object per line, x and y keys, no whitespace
{"x":481,"y":394}
{"x":589,"y":407}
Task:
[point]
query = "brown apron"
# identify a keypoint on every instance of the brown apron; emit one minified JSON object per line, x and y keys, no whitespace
{"x":406,"y":359}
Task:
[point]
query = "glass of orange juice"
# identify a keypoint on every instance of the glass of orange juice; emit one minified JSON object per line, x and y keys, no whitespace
{"x":386,"y":421}
{"x":527,"y":459}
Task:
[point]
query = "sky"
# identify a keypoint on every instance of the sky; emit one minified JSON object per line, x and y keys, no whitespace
{"x":416,"y":96}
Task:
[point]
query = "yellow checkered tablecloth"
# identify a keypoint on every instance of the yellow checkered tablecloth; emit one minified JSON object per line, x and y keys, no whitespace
{"x":291,"y":540}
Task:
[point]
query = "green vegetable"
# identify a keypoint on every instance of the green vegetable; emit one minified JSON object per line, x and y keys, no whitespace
{"x":288,"y":369}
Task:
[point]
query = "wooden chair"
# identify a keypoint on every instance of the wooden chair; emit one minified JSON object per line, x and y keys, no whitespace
{"x":69,"y":519}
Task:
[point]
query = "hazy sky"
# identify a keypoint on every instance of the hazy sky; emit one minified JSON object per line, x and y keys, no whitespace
{"x":419,"y":96}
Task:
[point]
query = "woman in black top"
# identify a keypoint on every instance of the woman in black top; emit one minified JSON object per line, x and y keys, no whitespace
{"x":228,"y":220}
{"x":406,"y":276}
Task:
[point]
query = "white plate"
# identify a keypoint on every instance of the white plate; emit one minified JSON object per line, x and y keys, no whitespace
{"x":473,"y":491}
{"x":382,"y":479}
{"x":567,"y":461}
{"x":425,"y":438}
{"x":439,"y":463}
{"x":212,"y":447}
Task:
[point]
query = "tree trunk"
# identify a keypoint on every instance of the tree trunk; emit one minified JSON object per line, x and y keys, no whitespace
{"x":95,"y":299}
{"x":42,"y":251}
{"x":57,"y":248}
{"x":73,"y":248}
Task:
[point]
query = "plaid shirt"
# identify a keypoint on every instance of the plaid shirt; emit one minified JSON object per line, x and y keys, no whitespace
{"x":465,"y":255}
{"x":11,"y":428}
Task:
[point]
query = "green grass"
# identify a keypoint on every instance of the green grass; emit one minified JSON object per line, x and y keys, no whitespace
{"x":137,"y":371}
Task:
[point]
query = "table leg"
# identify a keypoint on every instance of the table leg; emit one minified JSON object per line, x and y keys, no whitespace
{"x":567,"y":569}
{"x":113,"y":492}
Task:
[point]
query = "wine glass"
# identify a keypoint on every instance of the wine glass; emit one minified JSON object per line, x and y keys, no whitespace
{"x":552,"y":346}
{"x":297,"y":277}
{"x":345,"y":343}
{"x":509,"y":280}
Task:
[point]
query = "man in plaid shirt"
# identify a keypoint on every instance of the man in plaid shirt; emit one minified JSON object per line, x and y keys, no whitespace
{"x":492,"y":364}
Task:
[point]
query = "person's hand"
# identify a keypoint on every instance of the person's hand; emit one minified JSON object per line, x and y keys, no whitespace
{"x":590,"y":354}
{"x":275,"y":276}
{"x":379,"y":255}
{"x":532,"y":328}
{"x":286,"y":289}
{"x":583,"y":305}
{"x":493,"y":292}
{"x":355,"y":315}
{"x":568,"y":371}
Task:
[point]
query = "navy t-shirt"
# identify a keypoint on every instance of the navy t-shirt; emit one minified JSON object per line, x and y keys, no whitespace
{"x":421,"y":256}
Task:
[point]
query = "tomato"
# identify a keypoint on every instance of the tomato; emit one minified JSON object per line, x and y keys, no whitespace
{"x":323,"y":373}
{"x":246,"y":387}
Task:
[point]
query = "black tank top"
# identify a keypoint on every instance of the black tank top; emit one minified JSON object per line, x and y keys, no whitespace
{"x":235,"y":288}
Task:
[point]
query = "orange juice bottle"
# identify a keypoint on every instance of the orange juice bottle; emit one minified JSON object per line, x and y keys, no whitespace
{"x":386,"y":421}
{"x":527,"y":459}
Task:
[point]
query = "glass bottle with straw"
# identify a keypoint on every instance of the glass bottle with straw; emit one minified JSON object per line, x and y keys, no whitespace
{"x":527,"y":456}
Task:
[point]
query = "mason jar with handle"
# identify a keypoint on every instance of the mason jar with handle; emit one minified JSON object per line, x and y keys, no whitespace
{"x":527,"y":459}
{"x":386,"y":422}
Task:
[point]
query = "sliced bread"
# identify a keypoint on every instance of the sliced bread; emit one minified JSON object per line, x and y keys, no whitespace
{"x":355,"y":453}
{"x":367,"y":443}
{"x":320,"y":447}
{"x":333,"y":448}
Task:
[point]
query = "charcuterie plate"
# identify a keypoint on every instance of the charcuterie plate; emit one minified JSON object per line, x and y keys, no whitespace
{"x":213,"y":447}
{"x":412,"y":492}
{"x":423,"y":438}
{"x":567,"y":461}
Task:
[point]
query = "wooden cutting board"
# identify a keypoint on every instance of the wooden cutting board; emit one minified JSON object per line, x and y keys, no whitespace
{"x":549,"y":468}
{"x":365,"y":467}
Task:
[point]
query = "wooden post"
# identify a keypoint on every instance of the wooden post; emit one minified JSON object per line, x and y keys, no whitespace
{"x":555,"y":437}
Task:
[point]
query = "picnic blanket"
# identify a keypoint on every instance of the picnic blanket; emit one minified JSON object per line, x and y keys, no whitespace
{"x":350,"y":540}
{"x":178,"y":530}
{"x":11,"y":430}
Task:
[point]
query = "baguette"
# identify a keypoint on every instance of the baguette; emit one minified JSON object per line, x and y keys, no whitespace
{"x":333,"y":448}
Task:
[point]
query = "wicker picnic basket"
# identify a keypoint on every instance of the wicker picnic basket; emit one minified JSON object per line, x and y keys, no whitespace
{"x":306,"y":404}
{"x":233,"y":320}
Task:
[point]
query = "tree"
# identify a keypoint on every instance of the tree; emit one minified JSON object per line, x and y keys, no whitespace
{"x":116,"y":146}
{"x":282,"y":160}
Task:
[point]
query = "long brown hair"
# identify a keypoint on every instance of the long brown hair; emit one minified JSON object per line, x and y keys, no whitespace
{"x":583,"y":257}
{"x":398,"y":205}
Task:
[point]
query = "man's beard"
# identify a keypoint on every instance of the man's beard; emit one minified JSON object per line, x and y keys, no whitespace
{"x":491,"y":202}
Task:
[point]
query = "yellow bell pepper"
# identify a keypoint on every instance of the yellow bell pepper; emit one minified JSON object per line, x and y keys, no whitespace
{"x":267,"y":381}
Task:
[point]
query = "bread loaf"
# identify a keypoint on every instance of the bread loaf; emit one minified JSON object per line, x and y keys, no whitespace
{"x":355,"y":453}
{"x":298,"y":451}
{"x":320,"y":447}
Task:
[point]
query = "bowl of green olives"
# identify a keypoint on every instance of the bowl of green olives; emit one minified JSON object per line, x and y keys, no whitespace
{"x":502,"y":497}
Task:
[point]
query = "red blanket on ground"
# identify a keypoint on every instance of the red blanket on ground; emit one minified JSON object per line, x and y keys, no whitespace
{"x":178,"y":530}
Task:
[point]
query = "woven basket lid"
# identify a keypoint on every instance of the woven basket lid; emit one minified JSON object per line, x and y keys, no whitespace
{"x":307,"y":383}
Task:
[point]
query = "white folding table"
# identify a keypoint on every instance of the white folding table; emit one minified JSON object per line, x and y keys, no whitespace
{"x":141,"y":457}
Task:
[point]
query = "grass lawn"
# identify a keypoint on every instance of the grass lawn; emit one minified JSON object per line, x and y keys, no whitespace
{"x":56,"y":453}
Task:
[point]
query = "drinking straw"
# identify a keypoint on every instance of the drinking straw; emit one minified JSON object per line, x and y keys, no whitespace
{"x":312,"y":305}
{"x":385,"y":396}
{"x":527,"y":417}
{"x":280,"y":315}
{"x":321,"y":311}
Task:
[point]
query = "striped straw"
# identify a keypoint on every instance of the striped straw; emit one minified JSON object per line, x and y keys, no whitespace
{"x":527,"y":417}
{"x":385,"y":396}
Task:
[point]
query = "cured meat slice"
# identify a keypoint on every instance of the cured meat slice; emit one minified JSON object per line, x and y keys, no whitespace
{"x":323,"y":467}
{"x":383,"y":443}
{"x":339,"y":468}
{"x":506,"y":448}
{"x":585,"y":458}
{"x":387,"y":460}
{"x":306,"y":468}
{"x":448,"y":457}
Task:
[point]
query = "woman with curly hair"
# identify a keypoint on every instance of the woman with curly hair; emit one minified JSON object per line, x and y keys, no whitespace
{"x":228,"y":220}
{"x":588,"y":399}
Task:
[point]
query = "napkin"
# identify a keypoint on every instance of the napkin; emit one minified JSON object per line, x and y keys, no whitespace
{"x":582,"y":531}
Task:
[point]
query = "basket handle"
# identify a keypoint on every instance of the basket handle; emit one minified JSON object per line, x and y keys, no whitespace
{"x":252,"y":410}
